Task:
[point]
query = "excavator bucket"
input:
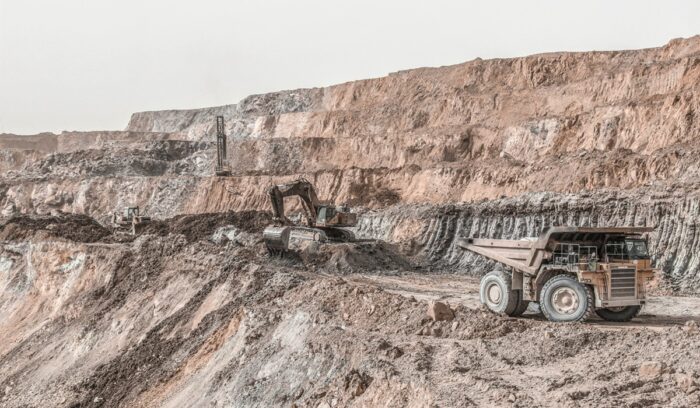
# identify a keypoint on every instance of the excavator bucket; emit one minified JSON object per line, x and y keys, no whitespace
{"x":283,"y":240}
{"x":276,"y":239}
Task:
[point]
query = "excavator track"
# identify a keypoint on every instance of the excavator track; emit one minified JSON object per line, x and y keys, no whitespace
{"x":339,"y":234}
{"x":281,"y":241}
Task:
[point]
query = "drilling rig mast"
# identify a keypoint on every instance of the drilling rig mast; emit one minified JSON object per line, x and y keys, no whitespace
{"x":222,"y":167}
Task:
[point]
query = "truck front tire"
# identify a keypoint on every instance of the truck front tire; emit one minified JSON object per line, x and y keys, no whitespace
{"x":621,"y":314}
{"x":496,"y":292}
{"x":565,"y":299}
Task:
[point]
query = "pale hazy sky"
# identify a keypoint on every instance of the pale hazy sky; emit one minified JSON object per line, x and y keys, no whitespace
{"x":85,"y":65}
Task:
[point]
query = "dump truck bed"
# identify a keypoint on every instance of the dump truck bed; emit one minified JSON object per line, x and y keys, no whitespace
{"x":513,"y":253}
{"x":527,"y":255}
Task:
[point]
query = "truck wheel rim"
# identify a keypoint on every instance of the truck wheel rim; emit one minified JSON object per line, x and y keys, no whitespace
{"x":565,"y":301}
{"x":494,"y":293}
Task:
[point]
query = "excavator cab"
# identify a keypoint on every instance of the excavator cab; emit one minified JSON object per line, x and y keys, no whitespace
{"x":330,"y":216}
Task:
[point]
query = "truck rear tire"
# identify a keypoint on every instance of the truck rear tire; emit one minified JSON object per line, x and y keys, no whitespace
{"x":522,"y":305}
{"x":621,"y":314}
{"x":496,"y":292}
{"x":565,"y":299}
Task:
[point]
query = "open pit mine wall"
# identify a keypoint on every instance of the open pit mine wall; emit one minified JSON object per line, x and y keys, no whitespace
{"x":562,"y":122}
{"x":527,"y":109}
{"x":433,"y":230}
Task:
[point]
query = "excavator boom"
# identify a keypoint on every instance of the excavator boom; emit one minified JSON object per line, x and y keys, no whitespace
{"x":301,"y":188}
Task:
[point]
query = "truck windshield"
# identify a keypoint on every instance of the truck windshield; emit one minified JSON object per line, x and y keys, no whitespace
{"x":636,"y":249}
{"x":628,"y":249}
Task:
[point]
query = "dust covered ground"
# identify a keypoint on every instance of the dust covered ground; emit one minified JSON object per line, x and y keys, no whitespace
{"x":193,"y":313}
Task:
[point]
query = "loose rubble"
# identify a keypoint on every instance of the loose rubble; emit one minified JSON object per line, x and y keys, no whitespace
{"x":175,"y":317}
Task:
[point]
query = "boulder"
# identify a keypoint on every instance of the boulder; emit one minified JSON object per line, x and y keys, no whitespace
{"x":650,"y":370}
{"x":9,"y":210}
{"x":394,"y":353}
{"x":690,"y":327}
{"x":356,"y":383}
{"x":439,"y":311}
{"x":685,"y":382}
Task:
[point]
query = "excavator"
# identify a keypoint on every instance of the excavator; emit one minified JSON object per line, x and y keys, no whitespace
{"x":324,"y":222}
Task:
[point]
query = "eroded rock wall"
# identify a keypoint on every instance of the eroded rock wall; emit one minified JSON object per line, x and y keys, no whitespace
{"x":433,"y":231}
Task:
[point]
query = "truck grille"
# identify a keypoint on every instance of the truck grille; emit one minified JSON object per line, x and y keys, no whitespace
{"x":623,"y":283}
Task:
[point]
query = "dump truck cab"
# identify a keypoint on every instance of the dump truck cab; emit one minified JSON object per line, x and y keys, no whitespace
{"x":570,"y":271}
{"x":130,"y":213}
{"x":126,"y":217}
{"x":130,"y":218}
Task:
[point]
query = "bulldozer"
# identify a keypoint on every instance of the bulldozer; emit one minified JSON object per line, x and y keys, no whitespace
{"x":130,"y":219}
{"x":572,"y":272}
{"x":324,"y":222}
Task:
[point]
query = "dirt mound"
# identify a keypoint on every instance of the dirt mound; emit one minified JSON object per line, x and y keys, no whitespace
{"x":82,"y":228}
{"x":358,"y":257}
{"x":74,"y":227}
{"x":196,"y":227}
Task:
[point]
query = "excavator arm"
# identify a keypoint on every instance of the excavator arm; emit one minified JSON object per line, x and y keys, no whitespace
{"x":301,"y":188}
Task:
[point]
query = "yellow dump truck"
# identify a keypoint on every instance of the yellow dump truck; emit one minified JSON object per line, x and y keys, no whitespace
{"x":572,"y":272}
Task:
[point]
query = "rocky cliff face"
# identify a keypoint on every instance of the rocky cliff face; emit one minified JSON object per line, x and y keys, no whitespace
{"x":554,"y":122}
